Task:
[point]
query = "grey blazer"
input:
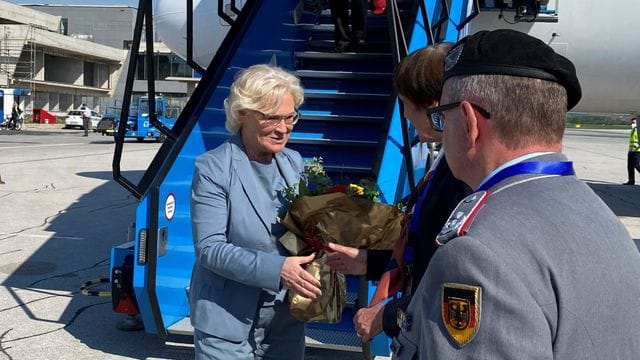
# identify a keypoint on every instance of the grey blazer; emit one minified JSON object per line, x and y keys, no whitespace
{"x":558,"y":273}
{"x":236,"y":256}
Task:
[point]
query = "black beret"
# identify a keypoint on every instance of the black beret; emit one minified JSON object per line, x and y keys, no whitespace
{"x":509,"y":52}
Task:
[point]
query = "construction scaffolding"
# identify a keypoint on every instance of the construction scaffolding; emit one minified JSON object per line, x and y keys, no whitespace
{"x":18,"y":60}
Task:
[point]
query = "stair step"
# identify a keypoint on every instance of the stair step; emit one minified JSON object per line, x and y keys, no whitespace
{"x":322,"y":55}
{"x":345,"y":62}
{"x":320,"y":74}
{"x":340,"y":118}
{"x":329,"y":27}
{"x":348,"y":169}
{"x":333,"y":339}
{"x":318,"y":338}
{"x":326,"y":31}
{"x":332,"y":142}
{"x":325,"y":18}
{"x":182,"y":327}
{"x":344,"y":96}
{"x":372,"y":45}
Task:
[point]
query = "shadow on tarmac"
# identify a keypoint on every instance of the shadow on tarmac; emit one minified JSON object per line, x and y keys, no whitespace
{"x":622,"y":199}
{"x":79,"y":251}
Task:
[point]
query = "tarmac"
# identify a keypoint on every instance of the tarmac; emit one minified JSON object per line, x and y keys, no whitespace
{"x":62,"y":212}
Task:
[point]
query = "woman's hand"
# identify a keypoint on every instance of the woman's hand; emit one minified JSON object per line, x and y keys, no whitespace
{"x":368,"y":322}
{"x":347,"y":260}
{"x":294,"y":277}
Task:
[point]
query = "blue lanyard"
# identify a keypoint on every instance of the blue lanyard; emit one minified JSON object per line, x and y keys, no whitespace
{"x":415,"y":217}
{"x":417,"y":209}
{"x":561,"y":168}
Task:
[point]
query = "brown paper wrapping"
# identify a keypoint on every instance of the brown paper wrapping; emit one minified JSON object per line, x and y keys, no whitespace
{"x":313,"y":221}
{"x":327,"y":307}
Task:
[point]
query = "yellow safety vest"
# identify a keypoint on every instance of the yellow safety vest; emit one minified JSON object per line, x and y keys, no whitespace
{"x":633,"y":141}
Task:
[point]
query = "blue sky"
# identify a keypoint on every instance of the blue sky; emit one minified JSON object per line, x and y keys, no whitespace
{"x":133,"y":3}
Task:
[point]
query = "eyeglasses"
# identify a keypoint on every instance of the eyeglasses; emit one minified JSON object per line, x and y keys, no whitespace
{"x":436,"y":114}
{"x":437,"y":121}
{"x":274,"y":120}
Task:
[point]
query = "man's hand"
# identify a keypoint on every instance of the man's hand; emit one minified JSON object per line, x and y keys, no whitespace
{"x":347,"y":260}
{"x":294,"y":277}
{"x":368,"y":322}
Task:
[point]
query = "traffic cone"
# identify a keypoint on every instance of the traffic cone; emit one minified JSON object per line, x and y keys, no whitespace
{"x":1,"y":182}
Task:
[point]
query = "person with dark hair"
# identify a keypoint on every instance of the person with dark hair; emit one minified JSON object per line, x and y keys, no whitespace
{"x":633,"y":156}
{"x":15,"y":115}
{"x":533,"y":264}
{"x":417,"y":79}
{"x":349,"y":38}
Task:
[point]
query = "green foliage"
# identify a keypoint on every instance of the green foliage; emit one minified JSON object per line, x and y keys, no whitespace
{"x":370,"y":190}
{"x":577,"y":120}
{"x":315,"y":181}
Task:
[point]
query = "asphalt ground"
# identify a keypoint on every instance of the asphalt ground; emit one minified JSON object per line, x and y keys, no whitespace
{"x":61,"y":212}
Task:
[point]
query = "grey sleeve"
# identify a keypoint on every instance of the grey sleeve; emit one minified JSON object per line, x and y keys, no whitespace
{"x":511,"y":325}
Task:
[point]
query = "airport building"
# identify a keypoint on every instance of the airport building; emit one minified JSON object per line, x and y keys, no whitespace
{"x":61,"y":56}
{"x":113,"y":25}
{"x":56,"y":72}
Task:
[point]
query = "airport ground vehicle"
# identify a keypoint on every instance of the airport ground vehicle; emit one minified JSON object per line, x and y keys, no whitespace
{"x":7,"y":97}
{"x":74,"y":119}
{"x":351,"y":118}
{"x":138,"y":125}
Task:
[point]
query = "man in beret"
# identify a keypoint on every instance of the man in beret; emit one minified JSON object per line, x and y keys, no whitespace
{"x":532,"y":265}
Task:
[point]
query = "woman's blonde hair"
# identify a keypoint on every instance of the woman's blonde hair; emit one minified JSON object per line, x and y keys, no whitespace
{"x":260,"y":88}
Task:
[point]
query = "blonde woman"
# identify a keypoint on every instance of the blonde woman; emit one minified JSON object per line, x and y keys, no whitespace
{"x":242,"y":273}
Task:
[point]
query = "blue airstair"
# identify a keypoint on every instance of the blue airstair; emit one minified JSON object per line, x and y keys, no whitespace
{"x":350,"y":118}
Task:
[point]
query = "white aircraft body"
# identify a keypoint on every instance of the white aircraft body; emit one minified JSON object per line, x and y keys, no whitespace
{"x":600,"y":38}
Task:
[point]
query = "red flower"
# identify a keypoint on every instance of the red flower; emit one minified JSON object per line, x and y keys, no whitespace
{"x":338,"y":188}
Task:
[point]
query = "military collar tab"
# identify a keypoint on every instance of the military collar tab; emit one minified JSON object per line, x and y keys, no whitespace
{"x":462,"y":217}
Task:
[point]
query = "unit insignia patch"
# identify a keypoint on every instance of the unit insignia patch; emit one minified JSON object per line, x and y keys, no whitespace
{"x":461,"y":305}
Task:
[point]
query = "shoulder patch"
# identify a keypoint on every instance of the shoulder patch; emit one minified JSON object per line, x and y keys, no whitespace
{"x":461,"y":307}
{"x":461,"y":217}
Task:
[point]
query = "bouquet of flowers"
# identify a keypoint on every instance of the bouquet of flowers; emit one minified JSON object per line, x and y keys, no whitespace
{"x":322,"y":212}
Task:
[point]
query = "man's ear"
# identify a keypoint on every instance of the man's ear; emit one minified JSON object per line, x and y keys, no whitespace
{"x":471,"y":123}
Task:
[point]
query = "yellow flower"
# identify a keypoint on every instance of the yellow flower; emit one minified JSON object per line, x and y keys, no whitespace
{"x":357,"y":189}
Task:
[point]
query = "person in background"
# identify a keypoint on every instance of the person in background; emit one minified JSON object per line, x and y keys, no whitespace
{"x":86,"y":119}
{"x":418,"y":81}
{"x":349,"y":39}
{"x":533,"y":264}
{"x":633,"y":156}
{"x":15,"y":113}
{"x":242,"y":273}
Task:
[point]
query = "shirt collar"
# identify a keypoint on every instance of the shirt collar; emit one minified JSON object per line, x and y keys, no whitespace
{"x":519,"y":159}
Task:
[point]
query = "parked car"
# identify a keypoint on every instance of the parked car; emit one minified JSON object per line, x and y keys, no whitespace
{"x":74,"y":119}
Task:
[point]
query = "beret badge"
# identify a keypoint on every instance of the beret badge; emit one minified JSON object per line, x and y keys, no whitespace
{"x":452,"y":58}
